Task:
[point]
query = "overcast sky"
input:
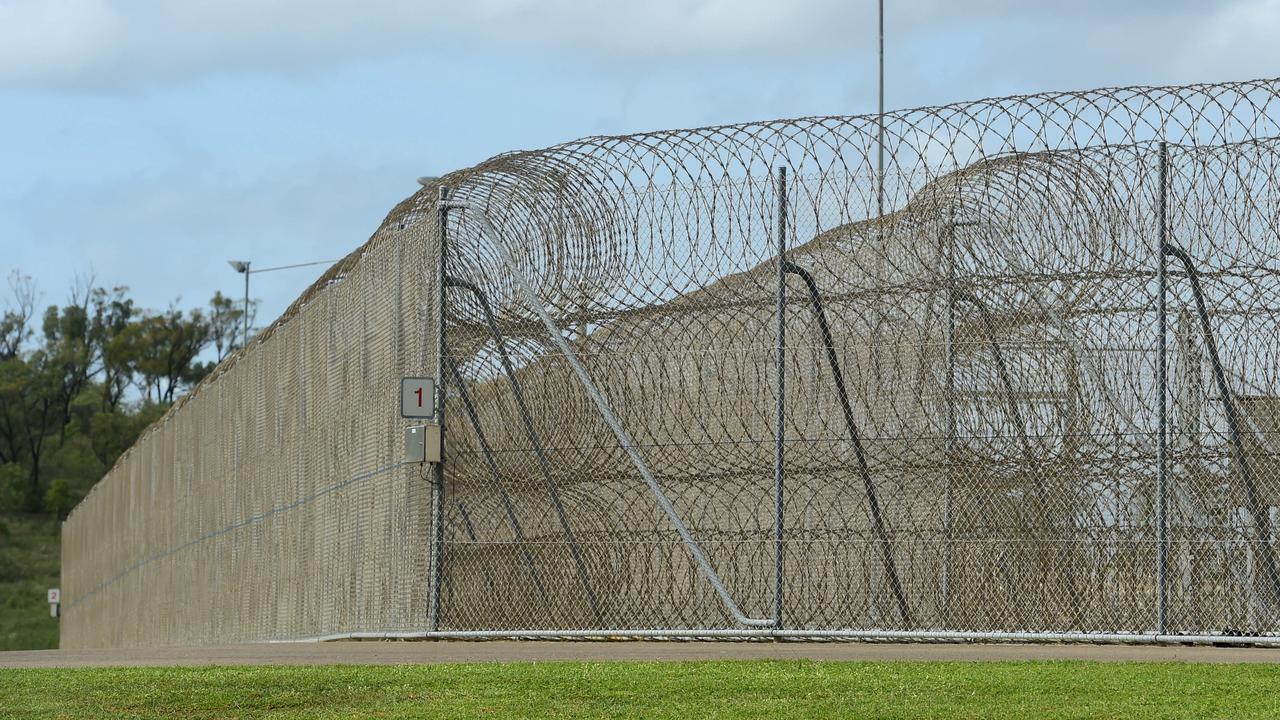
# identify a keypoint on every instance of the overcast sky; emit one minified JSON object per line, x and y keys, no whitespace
{"x":148,"y":141}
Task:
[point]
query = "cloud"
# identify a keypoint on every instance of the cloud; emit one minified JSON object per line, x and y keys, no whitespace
{"x":105,"y":41}
{"x":54,"y":38}
{"x":1242,"y":33}
{"x":92,"y":41}
{"x":108,"y":43}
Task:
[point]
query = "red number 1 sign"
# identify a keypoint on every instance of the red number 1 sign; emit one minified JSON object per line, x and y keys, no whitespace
{"x":417,"y":397}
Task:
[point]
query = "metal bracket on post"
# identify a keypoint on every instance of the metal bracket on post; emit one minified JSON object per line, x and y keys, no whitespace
{"x":606,"y":413}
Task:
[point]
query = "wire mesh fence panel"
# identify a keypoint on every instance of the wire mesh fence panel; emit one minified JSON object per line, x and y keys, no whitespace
{"x":1036,"y":394}
{"x":273,"y":501}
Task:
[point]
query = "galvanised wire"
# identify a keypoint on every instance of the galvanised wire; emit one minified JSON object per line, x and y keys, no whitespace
{"x":971,"y":415}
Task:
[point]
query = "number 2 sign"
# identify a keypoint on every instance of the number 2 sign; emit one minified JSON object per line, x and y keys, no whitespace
{"x":417,"y":397}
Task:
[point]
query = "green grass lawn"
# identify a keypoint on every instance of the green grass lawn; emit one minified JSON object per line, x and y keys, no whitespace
{"x":731,"y":689}
{"x":28,"y":567}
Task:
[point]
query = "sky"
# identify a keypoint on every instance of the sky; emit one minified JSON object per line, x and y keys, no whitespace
{"x":145,"y":142}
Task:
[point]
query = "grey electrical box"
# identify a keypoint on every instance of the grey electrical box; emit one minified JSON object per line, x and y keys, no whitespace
{"x":422,"y":443}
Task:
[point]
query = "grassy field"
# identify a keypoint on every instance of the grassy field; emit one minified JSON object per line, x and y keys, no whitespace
{"x":28,"y":567}
{"x":737,"y":689}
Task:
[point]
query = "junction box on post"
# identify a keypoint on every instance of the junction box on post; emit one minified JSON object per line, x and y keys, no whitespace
{"x":422,"y":443}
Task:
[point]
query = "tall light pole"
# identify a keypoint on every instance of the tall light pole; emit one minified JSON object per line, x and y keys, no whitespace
{"x":880,"y":122}
{"x":242,"y":266}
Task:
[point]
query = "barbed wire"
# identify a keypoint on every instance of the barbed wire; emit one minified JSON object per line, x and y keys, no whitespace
{"x":972,"y":420}
{"x":1029,"y":222}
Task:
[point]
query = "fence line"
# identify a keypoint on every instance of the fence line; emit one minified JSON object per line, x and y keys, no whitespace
{"x":981,"y":413}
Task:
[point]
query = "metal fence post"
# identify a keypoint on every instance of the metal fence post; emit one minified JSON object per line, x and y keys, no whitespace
{"x":855,"y":439}
{"x":526,"y":418}
{"x":1260,"y":512}
{"x":437,"y":486}
{"x":628,"y":445}
{"x":1162,"y":381}
{"x":949,"y":239}
{"x":779,"y":471}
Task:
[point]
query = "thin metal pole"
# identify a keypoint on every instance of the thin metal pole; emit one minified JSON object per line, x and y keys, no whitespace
{"x":295,"y":265}
{"x":1006,"y":380}
{"x":779,"y":473}
{"x":950,"y":401}
{"x":535,"y":440}
{"x":1162,"y":389}
{"x":503,"y":497}
{"x":244,"y":341}
{"x":770,"y":633}
{"x":1257,"y":508}
{"x":855,"y":439}
{"x":880,"y":121}
{"x":437,"y":486}
{"x":606,"y":413}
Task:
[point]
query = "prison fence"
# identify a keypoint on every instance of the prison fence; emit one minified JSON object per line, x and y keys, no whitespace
{"x":1001,"y":369}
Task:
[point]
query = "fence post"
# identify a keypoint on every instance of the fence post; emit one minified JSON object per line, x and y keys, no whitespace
{"x":437,"y":485}
{"x":1162,"y":379}
{"x":949,"y":450}
{"x":556,"y":334}
{"x":779,"y":472}
{"x":535,"y":441}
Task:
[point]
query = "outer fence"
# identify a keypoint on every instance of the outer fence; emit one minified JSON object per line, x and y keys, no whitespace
{"x":699,"y":383}
{"x":272,"y":502}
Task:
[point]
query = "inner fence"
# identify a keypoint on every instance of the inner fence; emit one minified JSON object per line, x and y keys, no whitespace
{"x":734,"y":381}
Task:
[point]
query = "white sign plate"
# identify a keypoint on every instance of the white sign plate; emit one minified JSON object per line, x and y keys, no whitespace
{"x":54,"y":594}
{"x":418,"y":398}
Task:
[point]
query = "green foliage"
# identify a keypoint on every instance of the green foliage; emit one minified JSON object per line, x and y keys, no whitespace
{"x":162,"y":349}
{"x":111,"y":433}
{"x":29,"y":559}
{"x":76,"y":390}
{"x":58,"y":499}
{"x":65,"y":412}
{"x":226,"y":323}
{"x":12,"y":486}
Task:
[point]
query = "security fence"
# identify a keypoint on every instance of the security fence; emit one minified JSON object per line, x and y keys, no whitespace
{"x":738,"y":381}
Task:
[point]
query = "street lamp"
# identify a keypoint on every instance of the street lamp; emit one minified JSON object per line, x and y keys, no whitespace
{"x":242,"y":266}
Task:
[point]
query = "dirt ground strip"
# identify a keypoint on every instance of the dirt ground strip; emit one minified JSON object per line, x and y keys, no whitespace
{"x":452,"y":651}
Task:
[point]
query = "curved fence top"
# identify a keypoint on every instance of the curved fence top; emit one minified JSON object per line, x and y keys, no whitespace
{"x":615,"y":224}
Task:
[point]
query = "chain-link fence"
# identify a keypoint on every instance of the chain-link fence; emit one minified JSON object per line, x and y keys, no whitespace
{"x":735,"y":381}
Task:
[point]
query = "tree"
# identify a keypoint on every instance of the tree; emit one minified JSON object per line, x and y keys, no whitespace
{"x":16,"y":319}
{"x":29,"y":407}
{"x":112,"y":314}
{"x":71,"y":350}
{"x":163,"y":349}
{"x":67,"y":403}
{"x":29,"y":414}
{"x":226,"y":323}
{"x":111,"y":433}
{"x":58,"y":499}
